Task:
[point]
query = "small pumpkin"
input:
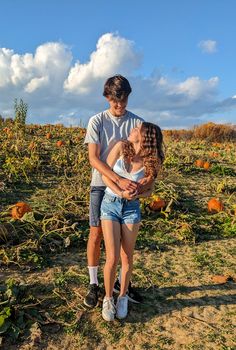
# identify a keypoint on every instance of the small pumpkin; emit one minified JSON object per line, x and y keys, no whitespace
{"x":48,"y":135}
{"x":220,"y":279}
{"x":214,"y":154}
{"x":157,"y":204}
{"x":199,"y":163}
{"x":206,"y":165}
{"x":60,"y":143}
{"x":215,"y":205}
{"x":32,"y":145}
{"x":6,"y":130}
{"x":19,"y":210}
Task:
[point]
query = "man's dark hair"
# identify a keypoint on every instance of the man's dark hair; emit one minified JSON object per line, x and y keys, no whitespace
{"x":117,"y":87}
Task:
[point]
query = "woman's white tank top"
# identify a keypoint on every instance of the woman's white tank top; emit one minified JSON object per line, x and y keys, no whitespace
{"x":119,"y":168}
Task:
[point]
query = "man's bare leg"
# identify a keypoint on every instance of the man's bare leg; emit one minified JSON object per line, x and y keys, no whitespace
{"x":93,"y":246}
{"x":93,"y":256}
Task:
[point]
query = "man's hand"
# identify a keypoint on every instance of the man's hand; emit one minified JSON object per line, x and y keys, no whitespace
{"x":142,"y":183}
{"x":127,"y":185}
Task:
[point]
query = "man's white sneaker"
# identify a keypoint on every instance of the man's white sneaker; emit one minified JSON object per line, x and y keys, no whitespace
{"x":108,"y":309}
{"x":122,"y":307}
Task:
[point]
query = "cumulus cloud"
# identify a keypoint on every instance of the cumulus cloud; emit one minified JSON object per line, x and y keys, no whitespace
{"x":208,"y":46}
{"x":113,"y":54}
{"x":59,"y":91}
{"x":50,"y":64}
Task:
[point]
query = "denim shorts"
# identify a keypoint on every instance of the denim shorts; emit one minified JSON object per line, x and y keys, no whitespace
{"x":96,"y":195}
{"x":120,"y":209}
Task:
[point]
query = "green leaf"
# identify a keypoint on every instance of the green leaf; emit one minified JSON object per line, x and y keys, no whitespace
{"x":2,"y":320}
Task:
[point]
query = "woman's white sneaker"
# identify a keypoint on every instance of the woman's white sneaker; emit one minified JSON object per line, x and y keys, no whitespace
{"x":122,"y":307}
{"x":108,"y":309}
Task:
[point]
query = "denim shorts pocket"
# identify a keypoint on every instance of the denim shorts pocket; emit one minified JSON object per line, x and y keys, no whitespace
{"x":109,"y":199}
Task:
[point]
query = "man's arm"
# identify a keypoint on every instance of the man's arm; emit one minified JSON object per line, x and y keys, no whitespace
{"x":105,"y":169}
{"x":112,"y":157}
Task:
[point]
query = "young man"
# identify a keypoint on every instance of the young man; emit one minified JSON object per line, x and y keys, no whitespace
{"x":103,"y":131}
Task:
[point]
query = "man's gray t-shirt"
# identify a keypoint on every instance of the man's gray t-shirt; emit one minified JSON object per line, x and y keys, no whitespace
{"x":105,"y":129}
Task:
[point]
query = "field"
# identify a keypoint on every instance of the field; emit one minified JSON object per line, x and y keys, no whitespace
{"x":179,"y":254}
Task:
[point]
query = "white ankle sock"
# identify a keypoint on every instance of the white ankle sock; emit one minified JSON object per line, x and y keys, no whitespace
{"x":93,"y":274}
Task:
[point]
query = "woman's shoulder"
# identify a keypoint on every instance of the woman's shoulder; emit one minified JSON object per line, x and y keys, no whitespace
{"x":120,"y":144}
{"x":119,"y":148}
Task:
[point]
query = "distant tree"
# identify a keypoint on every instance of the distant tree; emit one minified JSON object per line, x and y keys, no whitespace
{"x":20,"y":112}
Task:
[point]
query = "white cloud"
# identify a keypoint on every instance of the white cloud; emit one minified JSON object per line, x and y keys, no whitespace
{"x":59,"y":92}
{"x":36,"y":83}
{"x":51,"y":63}
{"x":113,"y":54}
{"x":69,"y":119}
{"x":208,"y":46}
{"x":194,"y":87}
{"x":5,"y":66}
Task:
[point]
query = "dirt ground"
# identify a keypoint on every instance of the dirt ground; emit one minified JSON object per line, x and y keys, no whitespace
{"x":183,"y":307}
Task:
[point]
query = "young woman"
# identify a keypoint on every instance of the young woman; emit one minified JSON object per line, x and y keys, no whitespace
{"x":138,"y":157}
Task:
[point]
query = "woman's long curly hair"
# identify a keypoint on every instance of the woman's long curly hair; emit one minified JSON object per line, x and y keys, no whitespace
{"x":151,"y":149}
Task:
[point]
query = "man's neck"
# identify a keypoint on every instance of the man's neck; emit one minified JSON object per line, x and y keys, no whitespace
{"x":117,"y":116}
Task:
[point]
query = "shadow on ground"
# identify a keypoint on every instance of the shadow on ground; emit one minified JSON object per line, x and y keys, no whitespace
{"x":160,"y":301}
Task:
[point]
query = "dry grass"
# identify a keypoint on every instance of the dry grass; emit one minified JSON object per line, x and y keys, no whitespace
{"x":43,"y":268}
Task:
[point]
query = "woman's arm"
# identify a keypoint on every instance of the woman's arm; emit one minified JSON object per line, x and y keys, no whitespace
{"x":114,"y":154}
{"x":105,"y":168}
{"x":113,"y":186}
{"x":112,"y":157}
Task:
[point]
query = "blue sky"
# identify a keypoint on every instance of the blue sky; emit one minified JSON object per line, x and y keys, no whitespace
{"x":178,"y":55}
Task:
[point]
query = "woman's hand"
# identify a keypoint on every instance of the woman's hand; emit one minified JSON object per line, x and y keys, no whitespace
{"x":144,"y":184}
{"x":130,"y":195}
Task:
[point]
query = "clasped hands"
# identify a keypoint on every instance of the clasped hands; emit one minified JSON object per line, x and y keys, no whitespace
{"x":131,"y":189}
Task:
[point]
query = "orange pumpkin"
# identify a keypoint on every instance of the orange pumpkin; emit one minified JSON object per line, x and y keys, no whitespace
{"x":20,"y":209}
{"x":199,"y":163}
{"x":206,"y":165}
{"x":215,"y":205}
{"x":220,"y":279}
{"x":32,"y":145}
{"x":157,"y":204}
{"x":60,"y":143}
{"x":216,"y":144}
{"x":48,"y":136}
{"x":214,"y":154}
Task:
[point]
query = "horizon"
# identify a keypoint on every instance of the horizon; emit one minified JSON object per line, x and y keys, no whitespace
{"x":85,"y":126}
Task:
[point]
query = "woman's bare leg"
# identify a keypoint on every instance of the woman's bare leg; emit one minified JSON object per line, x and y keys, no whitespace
{"x":112,"y":236}
{"x":128,"y":238}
